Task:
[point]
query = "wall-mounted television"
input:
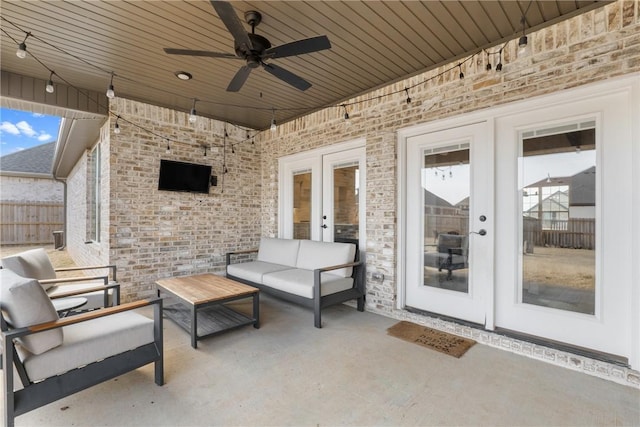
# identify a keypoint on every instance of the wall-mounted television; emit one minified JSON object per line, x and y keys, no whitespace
{"x":181,"y":176}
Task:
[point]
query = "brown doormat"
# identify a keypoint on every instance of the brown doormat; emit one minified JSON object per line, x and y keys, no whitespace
{"x":443,"y":342}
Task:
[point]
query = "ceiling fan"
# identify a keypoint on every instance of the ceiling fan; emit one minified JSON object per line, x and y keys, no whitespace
{"x":255,"y":49}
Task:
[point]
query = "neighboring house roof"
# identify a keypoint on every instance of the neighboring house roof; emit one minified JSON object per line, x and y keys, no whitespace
{"x":557,"y":202}
{"x":35,"y":161}
{"x":583,"y":188}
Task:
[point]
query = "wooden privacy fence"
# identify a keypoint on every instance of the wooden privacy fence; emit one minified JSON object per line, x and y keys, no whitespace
{"x":26,"y":223}
{"x":578,"y":233}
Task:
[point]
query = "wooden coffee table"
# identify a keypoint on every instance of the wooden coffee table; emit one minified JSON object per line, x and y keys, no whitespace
{"x":199,"y":304}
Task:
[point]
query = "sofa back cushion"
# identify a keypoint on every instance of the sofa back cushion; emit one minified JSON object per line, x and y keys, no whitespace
{"x":24,"y":303}
{"x":314,"y":255}
{"x":278,"y":251}
{"x":33,"y":263}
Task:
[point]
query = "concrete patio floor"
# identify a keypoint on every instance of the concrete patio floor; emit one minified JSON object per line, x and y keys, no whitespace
{"x":350,"y":372}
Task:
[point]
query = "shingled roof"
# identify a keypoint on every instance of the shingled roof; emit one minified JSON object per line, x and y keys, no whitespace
{"x":36,"y":160}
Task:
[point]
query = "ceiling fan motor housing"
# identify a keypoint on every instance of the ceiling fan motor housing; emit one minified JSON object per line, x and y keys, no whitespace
{"x":253,"y":56}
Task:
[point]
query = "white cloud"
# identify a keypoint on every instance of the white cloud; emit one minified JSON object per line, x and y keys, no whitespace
{"x":26,"y":129}
{"x":44,"y":137}
{"x":38,"y":115}
{"x":9,"y":128}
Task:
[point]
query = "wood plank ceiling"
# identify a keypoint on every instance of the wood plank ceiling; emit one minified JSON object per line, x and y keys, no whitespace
{"x":373,"y":43}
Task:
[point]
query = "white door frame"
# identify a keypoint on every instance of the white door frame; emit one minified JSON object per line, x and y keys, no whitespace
{"x":629,"y":84}
{"x":312,"y":160}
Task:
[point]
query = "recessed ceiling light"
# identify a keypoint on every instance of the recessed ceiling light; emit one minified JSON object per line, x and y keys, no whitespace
{"x":183,"y":75}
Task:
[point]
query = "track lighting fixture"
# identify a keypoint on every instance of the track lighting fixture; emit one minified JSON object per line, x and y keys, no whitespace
{"x":408,"y":97}
{"x":193,"y":116}
{"x":273,"y":120}
{"x":461,"y":73}
{"x":49,"y":88}
{"x":116,"y":128}
{"x":22,"y":48}
{"x":110,"y":92}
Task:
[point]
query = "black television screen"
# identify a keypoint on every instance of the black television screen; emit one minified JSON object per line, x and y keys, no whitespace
{"x":181,"y":176}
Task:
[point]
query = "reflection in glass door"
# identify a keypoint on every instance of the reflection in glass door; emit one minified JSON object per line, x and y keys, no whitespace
{"x":558,"y":219}
{"x":346,"y":185}
{"x":445,"y":180}
{"x":302,"y":205}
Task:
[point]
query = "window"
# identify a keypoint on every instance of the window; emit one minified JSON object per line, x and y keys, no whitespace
{"x":93,"y":195}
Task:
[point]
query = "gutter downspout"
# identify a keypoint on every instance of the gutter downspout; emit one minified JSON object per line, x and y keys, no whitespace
{"x":63,"y":135}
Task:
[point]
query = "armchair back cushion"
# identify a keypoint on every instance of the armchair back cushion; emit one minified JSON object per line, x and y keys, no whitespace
{"x":25,"y":303}
{"x":314,"y":255}
{"x":34,"y":263}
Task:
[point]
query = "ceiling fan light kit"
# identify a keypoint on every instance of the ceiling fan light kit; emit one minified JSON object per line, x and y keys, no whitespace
{"x":256,"y":49}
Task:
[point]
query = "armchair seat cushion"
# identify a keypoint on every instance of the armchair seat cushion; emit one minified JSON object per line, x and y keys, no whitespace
{"x":299,"y":282}
{"x":89,"y":342}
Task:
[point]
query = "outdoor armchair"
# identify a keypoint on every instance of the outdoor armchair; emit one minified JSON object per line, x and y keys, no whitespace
{"x":55,"y":358}
{"x":100,"y":290}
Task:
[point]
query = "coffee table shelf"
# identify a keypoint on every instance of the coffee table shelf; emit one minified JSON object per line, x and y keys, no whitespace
{"x":211,"y":320}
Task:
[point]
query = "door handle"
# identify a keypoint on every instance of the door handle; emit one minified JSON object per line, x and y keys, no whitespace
{"x":324,"y":225}
{"x":481,"y":232}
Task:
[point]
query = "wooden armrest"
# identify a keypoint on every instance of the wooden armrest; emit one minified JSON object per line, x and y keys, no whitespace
{"x":84,"y":291}
{"x":105,"y":279}
{"x":66,"y":321}
{"x":336,"y":267}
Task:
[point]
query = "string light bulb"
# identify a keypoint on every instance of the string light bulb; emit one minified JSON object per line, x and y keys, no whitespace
{"x":168,"y":147}
{"x":273,"y":120}
{"x":499,"y":65}
{"x":110,"y":92}
{"x":461,"y":73}
{"x":408,"y":97}
{"x":22,"y":48}
{"x":49,"y":88}
{"x":488,"y":62}
{"x":346,"y":113}
{"x":193,"y":116}
{"x":116,"y":128}
{"x":523,"y":45}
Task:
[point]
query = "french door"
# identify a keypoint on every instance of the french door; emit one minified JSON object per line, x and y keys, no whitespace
{"x":322,"y":194}
{"x":449,"y":216}
{"x":524,"y":221}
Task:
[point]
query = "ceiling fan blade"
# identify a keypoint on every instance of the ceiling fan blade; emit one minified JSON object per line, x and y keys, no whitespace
{"x":287,"y":77}
{"x":299,"y":47}
{"x":238,"y":80}
{"x":232,"y":22}
{"x":190,"y":52}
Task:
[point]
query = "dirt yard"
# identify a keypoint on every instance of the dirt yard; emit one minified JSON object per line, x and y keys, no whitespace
{"x":572,"y":268}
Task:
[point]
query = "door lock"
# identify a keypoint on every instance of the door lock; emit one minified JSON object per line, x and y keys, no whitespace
{"x":324,"y":225}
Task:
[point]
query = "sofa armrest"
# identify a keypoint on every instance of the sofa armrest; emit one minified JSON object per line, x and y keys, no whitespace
{"x":66,"y":321}
{"x":105,"y":279}
{"x":111,"y":267}
{"x":337,"y":267}
{"x":242,"y":252}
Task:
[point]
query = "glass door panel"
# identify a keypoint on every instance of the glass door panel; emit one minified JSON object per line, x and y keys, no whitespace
{"x":558,"y":220}
{"x":446,"y":188}
{"x":346,"y":186}
{"x":302,"y":205}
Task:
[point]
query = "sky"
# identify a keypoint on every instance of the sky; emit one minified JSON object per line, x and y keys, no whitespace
{"x":20,"y":130}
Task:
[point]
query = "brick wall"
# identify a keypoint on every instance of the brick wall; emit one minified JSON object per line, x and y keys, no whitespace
{"x":595,"y":46}
{"x":155,"y":234}
{"x":25,"y":189}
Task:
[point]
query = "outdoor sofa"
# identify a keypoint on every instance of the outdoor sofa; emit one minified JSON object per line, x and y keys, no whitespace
{"x":310,"y":273}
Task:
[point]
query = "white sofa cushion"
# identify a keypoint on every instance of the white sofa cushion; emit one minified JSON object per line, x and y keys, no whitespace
{"x":254,"y":270}
{"x":314,"y":255}
{"x":299,"y":282}
{"x":25,"y":303}
{"x":34,"y":263}
{"x":89,"y":342}
{"x":278,"y":251}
